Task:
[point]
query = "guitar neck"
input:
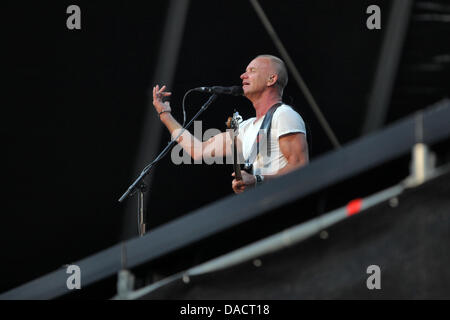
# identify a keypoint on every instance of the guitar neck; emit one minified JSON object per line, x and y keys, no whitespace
{"x":236,"y":166}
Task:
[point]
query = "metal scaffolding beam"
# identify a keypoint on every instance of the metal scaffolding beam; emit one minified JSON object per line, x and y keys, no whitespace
{"x":388,"y":62}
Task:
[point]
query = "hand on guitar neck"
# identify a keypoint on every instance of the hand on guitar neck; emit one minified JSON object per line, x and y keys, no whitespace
{"x":247,"y":180}
{"x":242,"y":179}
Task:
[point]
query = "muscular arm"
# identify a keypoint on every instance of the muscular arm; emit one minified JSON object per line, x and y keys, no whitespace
{"x":295,"y":149}
{"x":217,"y":146}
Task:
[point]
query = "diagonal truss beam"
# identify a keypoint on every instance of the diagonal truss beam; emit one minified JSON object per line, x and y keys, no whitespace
{"x":388,"y":62}
{"x":295,"y":73}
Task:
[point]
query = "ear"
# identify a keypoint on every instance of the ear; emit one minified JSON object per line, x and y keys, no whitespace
{"x":272,"y":80}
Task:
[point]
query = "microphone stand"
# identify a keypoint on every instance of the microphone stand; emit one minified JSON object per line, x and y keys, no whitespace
{"x":139,"y":184}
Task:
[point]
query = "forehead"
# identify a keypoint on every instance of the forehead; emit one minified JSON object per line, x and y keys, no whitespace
{"x":259,"y":63}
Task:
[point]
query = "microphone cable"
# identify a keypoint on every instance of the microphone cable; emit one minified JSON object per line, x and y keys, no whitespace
{"x":181,"y":132}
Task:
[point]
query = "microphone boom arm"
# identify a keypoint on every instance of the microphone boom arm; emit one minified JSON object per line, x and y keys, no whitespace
{"x":139,"y":183}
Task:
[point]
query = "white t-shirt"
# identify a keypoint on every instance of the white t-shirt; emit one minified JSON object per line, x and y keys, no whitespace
{"x":285,"y":120}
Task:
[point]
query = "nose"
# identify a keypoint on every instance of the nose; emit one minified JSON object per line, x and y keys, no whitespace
{"x":244,"y":76}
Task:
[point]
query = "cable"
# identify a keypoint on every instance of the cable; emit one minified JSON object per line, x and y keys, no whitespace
{"x":181,"y":132}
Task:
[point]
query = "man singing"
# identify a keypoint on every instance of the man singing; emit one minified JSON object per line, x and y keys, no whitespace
{"x":286,"y":148}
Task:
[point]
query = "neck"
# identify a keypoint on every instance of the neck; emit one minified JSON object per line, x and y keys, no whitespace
{"x":263,"y":103}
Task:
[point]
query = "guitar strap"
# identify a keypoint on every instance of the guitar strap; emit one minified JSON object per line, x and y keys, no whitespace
{"x":260,"y":140}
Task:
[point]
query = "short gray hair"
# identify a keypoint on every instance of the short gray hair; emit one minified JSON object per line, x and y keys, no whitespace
{"x":281,"y":70}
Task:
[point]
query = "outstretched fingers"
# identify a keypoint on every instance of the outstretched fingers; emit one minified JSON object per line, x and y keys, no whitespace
{"x":159,"y":92}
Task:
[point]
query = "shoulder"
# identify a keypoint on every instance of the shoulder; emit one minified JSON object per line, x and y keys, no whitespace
{"x":285,"y":115}
{"x":286,"y":111}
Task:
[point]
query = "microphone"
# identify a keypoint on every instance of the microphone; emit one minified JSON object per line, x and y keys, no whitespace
{"x":234,"y":90}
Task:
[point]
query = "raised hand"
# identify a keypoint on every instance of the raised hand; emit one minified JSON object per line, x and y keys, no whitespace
{"x":158,"y":95}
